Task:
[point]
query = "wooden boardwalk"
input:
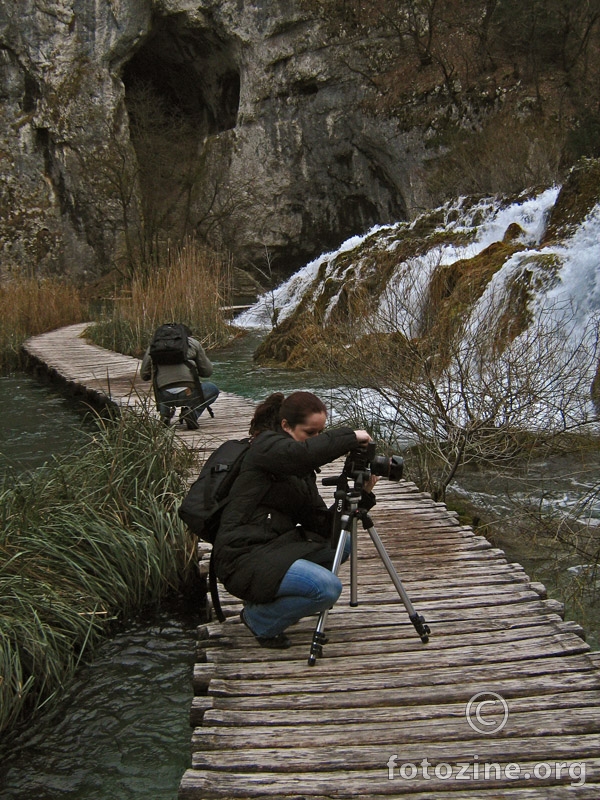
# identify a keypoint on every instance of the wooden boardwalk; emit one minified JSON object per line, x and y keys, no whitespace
{"x":101,"y":377}
{"x":502,"y":702}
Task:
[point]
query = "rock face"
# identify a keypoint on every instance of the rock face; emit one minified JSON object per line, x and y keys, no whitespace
{"x":285,"y":163}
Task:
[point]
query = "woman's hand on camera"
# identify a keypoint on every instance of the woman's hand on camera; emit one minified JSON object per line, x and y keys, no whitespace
{"x":363,"y":437}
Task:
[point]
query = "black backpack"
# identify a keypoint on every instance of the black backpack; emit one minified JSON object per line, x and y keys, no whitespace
{"x":169,"y":344}
{"x":203,"y":505}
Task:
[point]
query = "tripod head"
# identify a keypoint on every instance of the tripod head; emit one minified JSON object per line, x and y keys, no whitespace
{"x":346,"y":499}
{"x":342,"y":481}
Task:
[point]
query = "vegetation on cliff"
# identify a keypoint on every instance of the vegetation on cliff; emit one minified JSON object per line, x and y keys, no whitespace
{"x":505,"y":93}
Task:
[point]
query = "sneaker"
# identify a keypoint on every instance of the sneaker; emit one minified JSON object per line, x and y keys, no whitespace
{"x":167,"y":416}
{"x":190,"y":417}
{"x":279,"y":642}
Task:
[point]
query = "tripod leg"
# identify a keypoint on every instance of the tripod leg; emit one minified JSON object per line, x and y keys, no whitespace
{"x":417,"y":620}
{"x":318,"y":640}
{"x":354,"y":565}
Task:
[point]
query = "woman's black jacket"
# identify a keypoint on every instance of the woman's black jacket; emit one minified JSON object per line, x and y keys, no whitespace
{"x":275,"y":514}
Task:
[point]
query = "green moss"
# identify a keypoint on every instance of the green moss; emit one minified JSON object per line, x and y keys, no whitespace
{"x":455,"y":288}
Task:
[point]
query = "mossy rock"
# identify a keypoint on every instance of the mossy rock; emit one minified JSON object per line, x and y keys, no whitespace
{"x":454,"y":288}
{"x":578,"y":196}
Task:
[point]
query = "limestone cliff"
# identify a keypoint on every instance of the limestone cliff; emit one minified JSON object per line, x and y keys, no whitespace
{"x":276,"y":156}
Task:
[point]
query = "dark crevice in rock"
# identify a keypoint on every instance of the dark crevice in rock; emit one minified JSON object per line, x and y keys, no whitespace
{"x":192,"y":70}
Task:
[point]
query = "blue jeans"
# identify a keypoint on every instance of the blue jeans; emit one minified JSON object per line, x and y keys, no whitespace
{"x":306,"y":589}
{"x":187,"y":396}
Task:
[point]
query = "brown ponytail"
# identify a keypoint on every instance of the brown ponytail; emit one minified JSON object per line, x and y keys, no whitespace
{"x":265,"y":415}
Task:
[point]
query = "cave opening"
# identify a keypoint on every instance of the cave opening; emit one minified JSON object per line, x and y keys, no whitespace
{"x":182,"y":86}
{"x":192,"y":72}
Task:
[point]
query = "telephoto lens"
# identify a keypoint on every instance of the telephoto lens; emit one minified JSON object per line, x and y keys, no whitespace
{"x":388,"y":467}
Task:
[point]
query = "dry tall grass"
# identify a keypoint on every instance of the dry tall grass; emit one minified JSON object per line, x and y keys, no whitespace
{"x":29,"y":306}
{"x":192,"y":288}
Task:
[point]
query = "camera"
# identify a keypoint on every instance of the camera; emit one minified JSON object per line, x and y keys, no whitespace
{"x":363,"y":462}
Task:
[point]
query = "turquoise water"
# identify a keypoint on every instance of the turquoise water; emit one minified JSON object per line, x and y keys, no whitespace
{"x":37,"y":423}
{"x":236,"y":372}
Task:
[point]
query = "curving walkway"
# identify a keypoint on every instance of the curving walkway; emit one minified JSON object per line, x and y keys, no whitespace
{"x":502,"y":702}
{"x":103,"y":377}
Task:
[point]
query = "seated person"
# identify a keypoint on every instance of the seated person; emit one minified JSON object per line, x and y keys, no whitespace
{"x":273,"y":549}
{"x":179,"y":385}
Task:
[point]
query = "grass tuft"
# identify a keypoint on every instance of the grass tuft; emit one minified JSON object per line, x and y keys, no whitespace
{"x":84,"y":542}
{"x":192,"y":288}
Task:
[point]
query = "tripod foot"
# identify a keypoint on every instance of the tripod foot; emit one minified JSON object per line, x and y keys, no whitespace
{"x":421,"y":627}
{"x":316,"y":648}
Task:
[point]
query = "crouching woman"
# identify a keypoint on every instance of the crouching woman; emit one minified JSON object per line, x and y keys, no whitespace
{"x":273,"y":549}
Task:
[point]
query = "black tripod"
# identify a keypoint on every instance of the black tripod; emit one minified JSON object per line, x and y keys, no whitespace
{"x":347,"y":513}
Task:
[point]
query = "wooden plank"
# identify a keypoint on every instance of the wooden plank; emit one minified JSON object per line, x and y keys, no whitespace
{"x":328,"y":704}
{"x":452,"y":726}
{"x":213,"y":716}
{"x":394,"y":615}
{"x":547,"y":624}
{"x":198,"y":784}
{"x":376,"y":688}
{"x":236,"y":669}
{"x":301,"y":635}
{"x":519,"y":639}
{"x":356,"y":757}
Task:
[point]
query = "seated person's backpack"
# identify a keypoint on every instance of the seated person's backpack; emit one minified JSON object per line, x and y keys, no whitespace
{"x":169,"y":344}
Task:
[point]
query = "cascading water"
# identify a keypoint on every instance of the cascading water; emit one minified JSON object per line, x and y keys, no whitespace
{"x":561,"y":280}
{"x":478,"y":226}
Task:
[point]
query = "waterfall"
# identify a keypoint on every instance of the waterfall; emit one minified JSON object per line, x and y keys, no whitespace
{"x":481,"y":223}
{"x":553,"y":358}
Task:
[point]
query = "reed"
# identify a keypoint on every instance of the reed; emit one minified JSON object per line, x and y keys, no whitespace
{"x":84,"y":542}
{"x":192,"y":288}
{"x":29,"y":306}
